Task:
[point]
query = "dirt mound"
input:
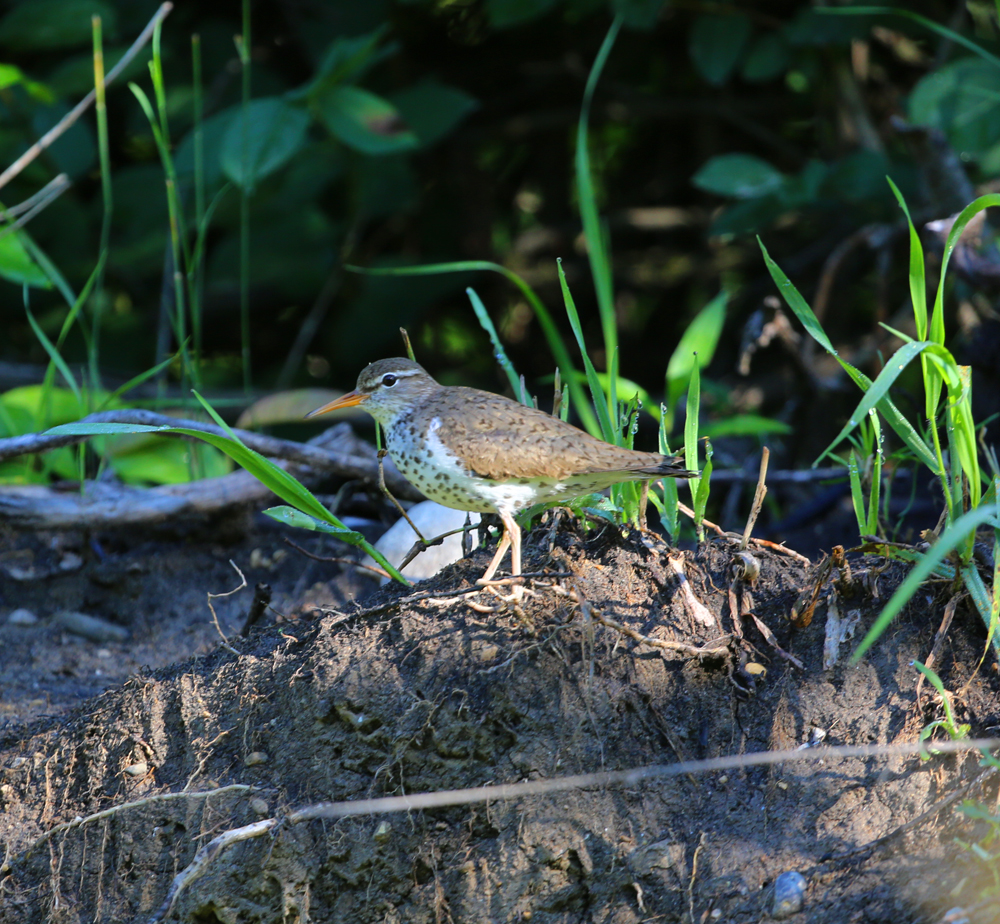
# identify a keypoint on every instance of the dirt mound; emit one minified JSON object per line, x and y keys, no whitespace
{"x":424,"y":691}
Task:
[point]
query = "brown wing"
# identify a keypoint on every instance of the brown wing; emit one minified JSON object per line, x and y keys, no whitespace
{"x":501,"y":439}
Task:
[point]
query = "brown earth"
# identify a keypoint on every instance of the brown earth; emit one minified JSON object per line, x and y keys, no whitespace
{"x":394,"y":696}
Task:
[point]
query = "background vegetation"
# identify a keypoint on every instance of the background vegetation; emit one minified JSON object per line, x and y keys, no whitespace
{"x":399,"y":133}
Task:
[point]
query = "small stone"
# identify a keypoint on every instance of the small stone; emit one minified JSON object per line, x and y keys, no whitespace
{"x":789,"y":895}
{"x":256,"y":757}
{"x":92,"y":628}
{"x":259,"y":807}
{"x":22,"y":617}
{"x":139,"y":768}
{"x":70,"y":562}
{"x":383,"y":833}
{"x":18,"y":762}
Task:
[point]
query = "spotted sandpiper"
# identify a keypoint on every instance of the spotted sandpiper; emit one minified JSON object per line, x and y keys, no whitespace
{"x":474,"y":450}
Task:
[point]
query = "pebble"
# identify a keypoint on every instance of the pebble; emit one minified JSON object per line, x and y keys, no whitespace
{"x":22,"y":617}
{"x":140,"y":768}
{"x":255,"y":758}
{"x":91,"y":627}
{"x":383,"y":833}
{"x":259,"y":807}
{"x":789,"y":895}
{"x":432,"y":520}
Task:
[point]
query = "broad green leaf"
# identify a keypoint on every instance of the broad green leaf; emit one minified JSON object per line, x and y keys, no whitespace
{"x":432,"y":109}
{"x":716,"y":45}
{"x":17,"y":266}
{"x":11,"y":76}
{"x":697,"y":345}
{"x":638,"y":14}
{"x":766,"y":58}
{"x":275,"y":131}
{"x":962,"y":100}
{"x":744,"y":425}
{"x":365,"y":122}
{"x":741,"y":176}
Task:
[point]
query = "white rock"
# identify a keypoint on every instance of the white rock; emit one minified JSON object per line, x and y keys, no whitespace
{"x":432,"y":520}
{"x":22,"y":617}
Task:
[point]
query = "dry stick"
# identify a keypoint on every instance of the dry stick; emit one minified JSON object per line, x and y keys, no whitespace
{"x":382,"y":487}
{"x":325,"y":810}
{"x":336,"y":560}
{"x":931,"y":659}
{"x":215,"y":619}
{"x":148,"y":800}
{"x":53,"y":133}
{"x":199,"y":865}
{"x":758,"y":498}
{"x":34,"y":204}
{"x":763,"y":543}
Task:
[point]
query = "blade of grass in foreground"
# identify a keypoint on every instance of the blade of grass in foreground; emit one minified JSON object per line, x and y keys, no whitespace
{"x":288,"y":488}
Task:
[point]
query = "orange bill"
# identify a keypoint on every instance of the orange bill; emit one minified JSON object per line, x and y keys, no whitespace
{"x":351,"y":399}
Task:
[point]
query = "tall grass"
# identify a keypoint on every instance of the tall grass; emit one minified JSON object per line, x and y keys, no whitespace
{"x":944,"y":442}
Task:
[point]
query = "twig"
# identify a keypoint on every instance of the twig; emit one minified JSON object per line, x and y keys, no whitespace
{"x":215,"y":619}
{"x":696,"y":609}
{"x":758,"y":498}
{"x":199,"y":865}
{"x":64,"y":123}
{"x":34,"y":204}
{"x":336,"y":560}
{"x":388,"y":494}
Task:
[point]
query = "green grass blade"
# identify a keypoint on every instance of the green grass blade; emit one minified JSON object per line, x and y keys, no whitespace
{"x":272,"y":476}
{"x":857,"y":498}
{"x":890,"y":413}
{"x":873,"y":499}
{"x":597,"y":247}
{"x":701,"y":496}
{"x":691,"y":436}
{"x":135,"y":381}
{"x":917,"y":274}
{"x":608,"y":429}
{"x":950,"y":539}
{"x":292,"y":517}
{"x":498,"y":351}
{"x":879,"y":389}
{"x":54,"y":356}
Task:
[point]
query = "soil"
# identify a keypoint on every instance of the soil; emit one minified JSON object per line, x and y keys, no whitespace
{"x":145,"y":750}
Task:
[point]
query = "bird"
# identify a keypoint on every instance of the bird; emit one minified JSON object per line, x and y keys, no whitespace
{"x":479,"y":451}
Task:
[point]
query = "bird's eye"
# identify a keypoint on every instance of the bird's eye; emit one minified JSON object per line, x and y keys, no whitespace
{"x":388,"y":380}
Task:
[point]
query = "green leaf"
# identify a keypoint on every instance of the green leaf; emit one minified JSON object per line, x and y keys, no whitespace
{"x":745,"y":425}
{"x":275,"y":133}
{"x":857,"y":498}
{"x":608,"y":429}
{"x":716,"y":45}
{"x":11,"y":76}
{"x":432,"y":109}
{"x":767,"y":58}
{"x":962,"y":100}
{"x":697,"y":346}
{"x":880,"y":387}
{"x":287,"y":487}
{"x":292,"y":517}
{"x":364,"y":121}
{"x":741,"y":176}
{"x":16,"y":264}
{"x":793,"y":298}
{"x":48,"y":24}
{"x":498,"y":351}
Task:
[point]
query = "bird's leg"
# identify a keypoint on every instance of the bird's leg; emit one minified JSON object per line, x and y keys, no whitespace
{"x":514,"y":531}
{"x":501,"y":551}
